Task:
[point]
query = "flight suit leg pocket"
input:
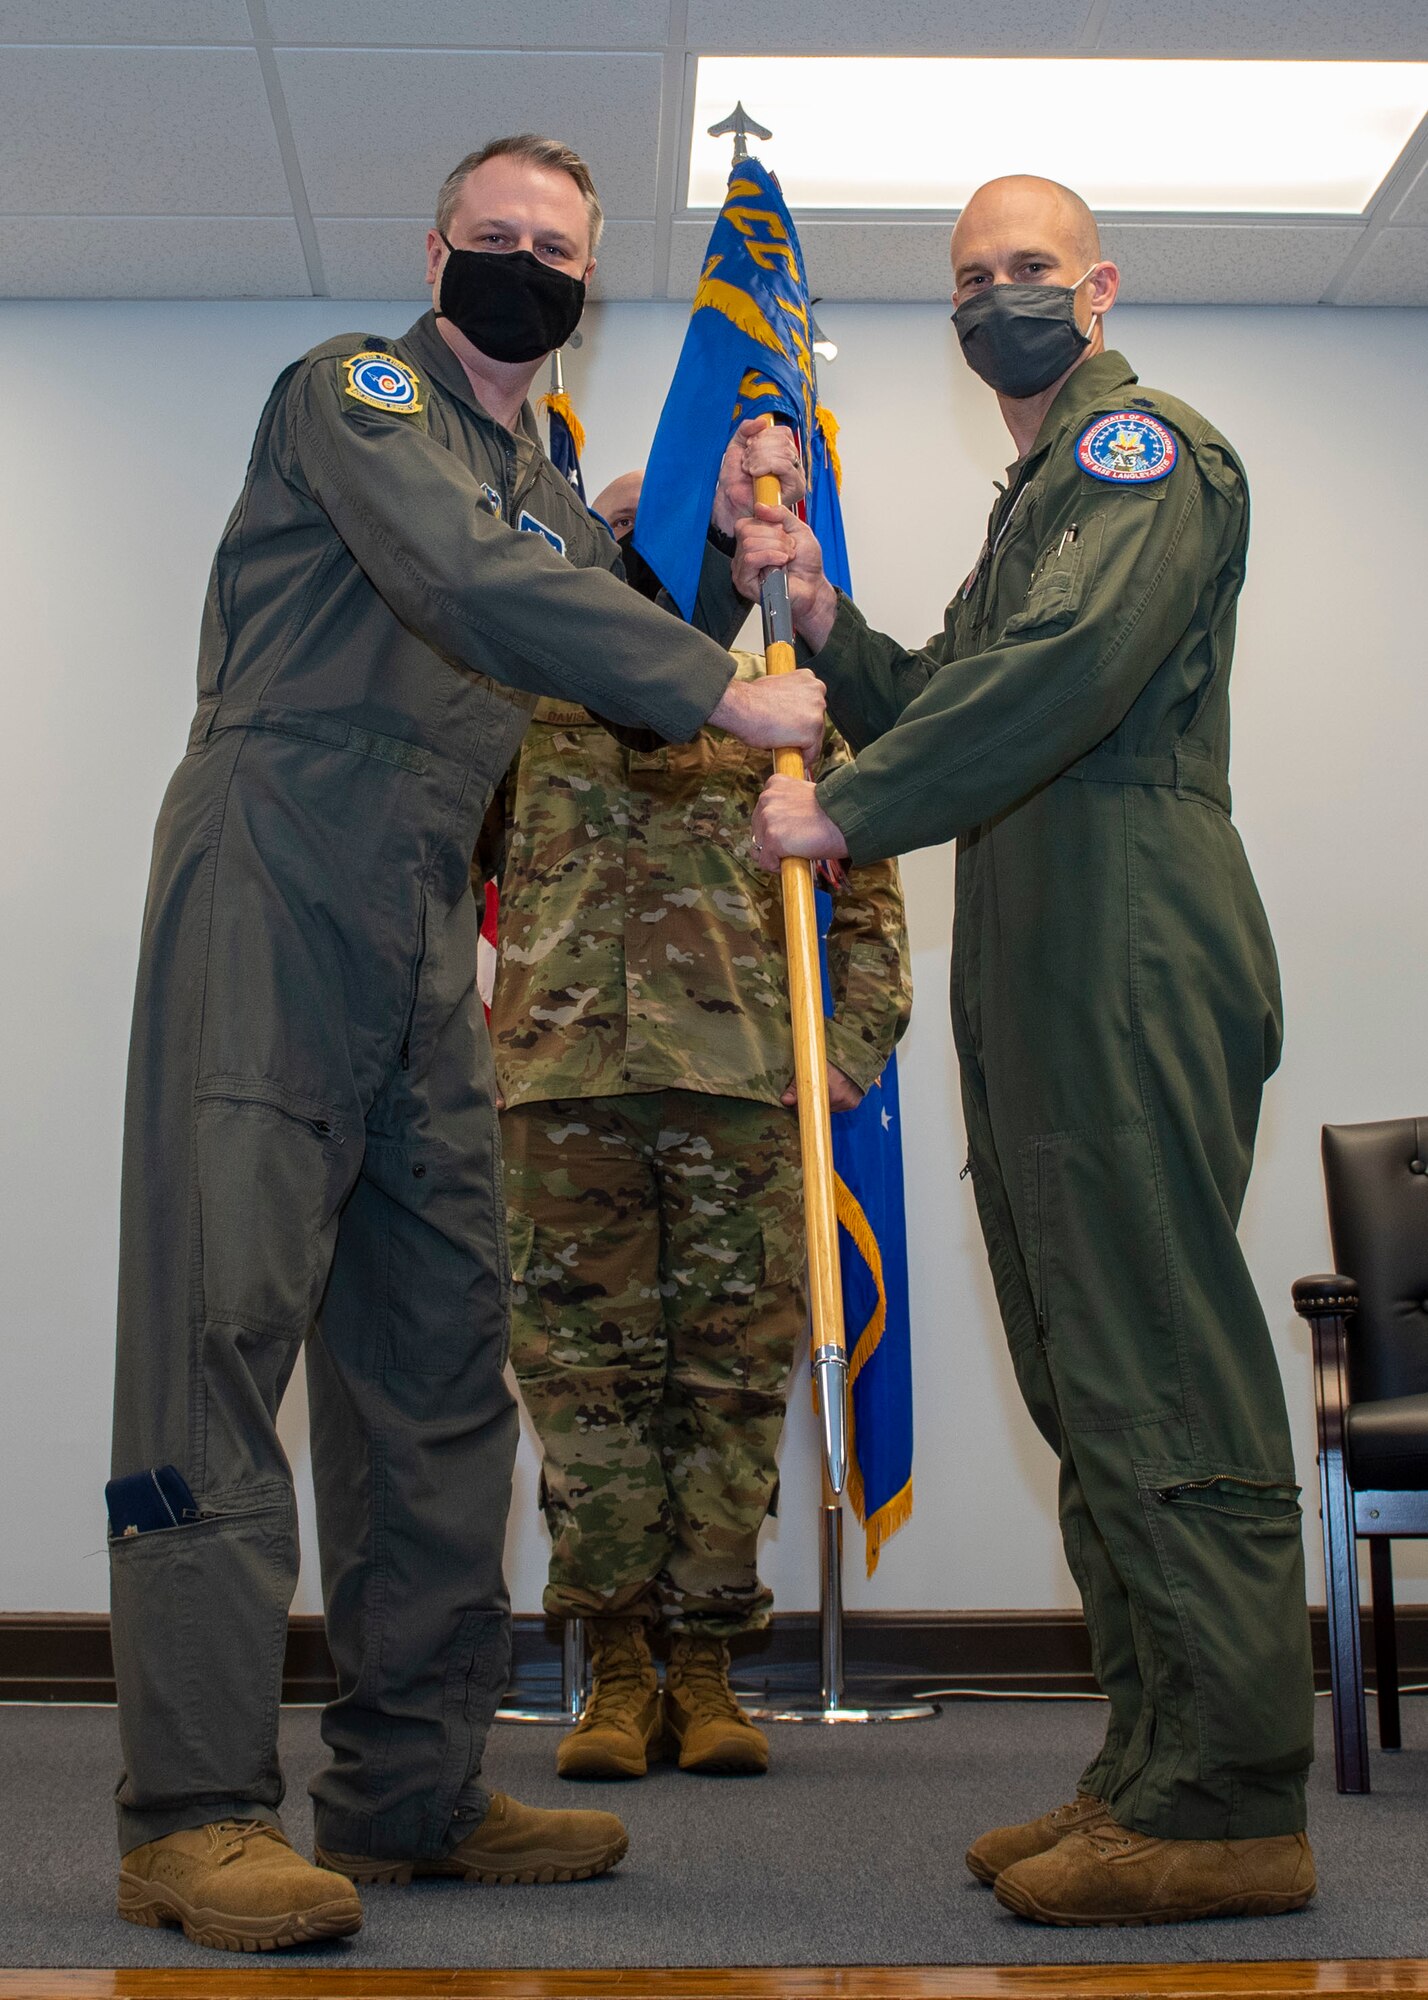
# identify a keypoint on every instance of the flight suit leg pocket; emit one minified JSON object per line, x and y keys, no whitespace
{"x":1099,"y":1269}
{"x":273,"y":1168}
{"x":199,"y":1625}
{"x":1231,"y":1560}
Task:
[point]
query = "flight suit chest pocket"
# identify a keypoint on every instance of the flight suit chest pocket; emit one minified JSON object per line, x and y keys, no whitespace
{"x":1060,"y":579}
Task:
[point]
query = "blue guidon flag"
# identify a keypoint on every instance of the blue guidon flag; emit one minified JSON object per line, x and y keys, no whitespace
{"x":749,"y":349}
{"x":872,"y":1257}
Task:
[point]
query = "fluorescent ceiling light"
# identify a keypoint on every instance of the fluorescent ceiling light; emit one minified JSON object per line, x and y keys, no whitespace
{"x":921,"y":132}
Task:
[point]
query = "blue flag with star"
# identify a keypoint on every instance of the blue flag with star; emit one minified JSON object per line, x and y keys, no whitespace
{"x":748,"y":349}
{"x":567,"y":438}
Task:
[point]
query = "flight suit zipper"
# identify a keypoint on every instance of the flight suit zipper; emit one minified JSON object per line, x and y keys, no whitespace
{"x":1222,"y":1489}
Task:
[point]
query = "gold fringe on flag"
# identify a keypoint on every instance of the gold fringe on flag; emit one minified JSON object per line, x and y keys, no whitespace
{"x":558,"y":404}
{"x":828,"y":429}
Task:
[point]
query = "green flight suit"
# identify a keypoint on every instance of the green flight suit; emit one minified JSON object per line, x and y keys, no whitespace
{"x":1116,"y":1011}
{"x":310,"y":1146}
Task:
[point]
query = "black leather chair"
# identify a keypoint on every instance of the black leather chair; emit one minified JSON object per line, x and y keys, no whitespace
{"x":1370,"y":1328}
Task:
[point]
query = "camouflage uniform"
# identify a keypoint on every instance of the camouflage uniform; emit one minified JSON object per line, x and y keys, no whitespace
{"x":653,"y":1189}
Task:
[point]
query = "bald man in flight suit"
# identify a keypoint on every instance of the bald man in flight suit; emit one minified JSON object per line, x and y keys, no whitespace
{"x":310,"y":1140}
{"x":1116,"y":1012}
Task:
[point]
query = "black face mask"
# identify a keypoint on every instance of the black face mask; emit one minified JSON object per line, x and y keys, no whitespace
{"x":1019,"y":338}
{"x":508,"y":303}
{"x":637,"y":571}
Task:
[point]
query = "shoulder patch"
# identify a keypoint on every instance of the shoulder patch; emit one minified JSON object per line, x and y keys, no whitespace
{"x":527,"y":524}
{"x":1128,"y":448}
{"x":383,"y":383}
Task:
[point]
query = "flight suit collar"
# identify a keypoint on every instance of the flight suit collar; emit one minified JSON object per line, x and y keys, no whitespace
{"x":1085,"y":387}
{"x":431,"y":352}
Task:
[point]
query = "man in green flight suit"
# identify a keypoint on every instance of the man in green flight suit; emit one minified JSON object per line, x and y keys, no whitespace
{"x":310,"y":1143}
{"x":1116,"y":1012}
{"x":640,"y":1027}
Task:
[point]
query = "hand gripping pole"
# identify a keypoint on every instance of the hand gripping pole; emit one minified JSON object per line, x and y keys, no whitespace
{"x":810,"y":1067}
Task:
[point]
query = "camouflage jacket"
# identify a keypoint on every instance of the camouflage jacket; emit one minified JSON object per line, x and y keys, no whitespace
{"x":640,"y":948}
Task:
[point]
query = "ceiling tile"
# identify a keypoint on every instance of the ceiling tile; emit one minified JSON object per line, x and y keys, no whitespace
{"x":124,"y":21}
{"x":384,"y":258}
{"x":1390,"y":29}
{"x":1414,"y":205}
{"x":152,"y":257}
{"x":1163,"y":264}
{"x":894,"y":27}
{"x":1205,"y":263}
{"x":456,"y":24}
{"x":846,"y":260}
{"x":1393,"y":271}
{"x":379,"y":133}
{"x":137,"y":131}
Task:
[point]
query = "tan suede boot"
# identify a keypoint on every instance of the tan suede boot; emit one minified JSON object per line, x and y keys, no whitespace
{"x":702,"y":1716}
{"x":1003,"y":1845}
{"x":1116,"y":1877}
{"x":623,"y":1723}
{"x":236,"y":1885}
{"x":513,"y":1843}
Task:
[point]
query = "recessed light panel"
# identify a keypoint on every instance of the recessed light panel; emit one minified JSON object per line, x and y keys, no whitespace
{"x":894,"y":132}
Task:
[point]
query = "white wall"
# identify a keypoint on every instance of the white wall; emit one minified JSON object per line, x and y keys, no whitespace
{"x":124,"y":430}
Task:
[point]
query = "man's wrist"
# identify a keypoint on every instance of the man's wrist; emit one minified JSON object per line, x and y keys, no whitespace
{"x":725,"y":544}
{"x":817,"y":622}
{"x":729,"y":708}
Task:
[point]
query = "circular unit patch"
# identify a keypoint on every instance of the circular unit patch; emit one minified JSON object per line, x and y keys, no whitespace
{"x":383,"y":383}
{"x":1128,"y":448}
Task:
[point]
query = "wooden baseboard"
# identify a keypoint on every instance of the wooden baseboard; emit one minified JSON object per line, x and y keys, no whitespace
{"x":1331,"y":1980}
{"x":65,"y":1656}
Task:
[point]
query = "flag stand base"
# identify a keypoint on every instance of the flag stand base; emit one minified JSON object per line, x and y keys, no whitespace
{"x":573,"y":1675}
{"x":831,"y":1704}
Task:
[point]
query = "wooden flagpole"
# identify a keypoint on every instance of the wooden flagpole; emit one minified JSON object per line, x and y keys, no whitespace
{"x":810,"y":1067}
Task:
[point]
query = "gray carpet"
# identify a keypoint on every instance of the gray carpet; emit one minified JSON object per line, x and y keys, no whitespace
{"x":734,"y":1871}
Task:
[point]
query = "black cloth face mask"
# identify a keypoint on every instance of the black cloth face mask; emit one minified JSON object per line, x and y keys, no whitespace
{"x":637,"y":571}
{"x":508,"y":303}
{"x":1019,"y":338}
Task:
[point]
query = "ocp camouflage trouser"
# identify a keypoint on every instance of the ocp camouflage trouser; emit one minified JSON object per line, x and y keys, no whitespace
{"x":657,"y":1265}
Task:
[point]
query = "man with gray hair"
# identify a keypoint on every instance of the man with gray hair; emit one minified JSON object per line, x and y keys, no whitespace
{"x":310,"y":1148}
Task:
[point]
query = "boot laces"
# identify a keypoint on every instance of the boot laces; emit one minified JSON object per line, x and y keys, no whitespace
{"x":620,"y":1670}
{"x":230,"y":1837}
{"x":704,"y":1671}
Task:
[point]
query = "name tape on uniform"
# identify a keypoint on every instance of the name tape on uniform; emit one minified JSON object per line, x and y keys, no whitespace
{"x":1127,"y":448}
{"x":383,"y":383}
{"x":529,"y":525}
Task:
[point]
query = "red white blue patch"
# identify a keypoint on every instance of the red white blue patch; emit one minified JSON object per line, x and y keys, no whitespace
{"x":383,"y":383}
{"x":1128,"y":448}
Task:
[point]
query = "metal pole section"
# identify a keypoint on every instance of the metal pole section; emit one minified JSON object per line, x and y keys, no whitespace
{"x":572,"y":1670}
{"x":830,"y":1603}
{"x":566,"y":1711}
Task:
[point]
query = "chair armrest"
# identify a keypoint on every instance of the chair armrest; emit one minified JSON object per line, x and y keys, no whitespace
{"x":1329,"y":1296}
{"x":1327,"y":1302}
